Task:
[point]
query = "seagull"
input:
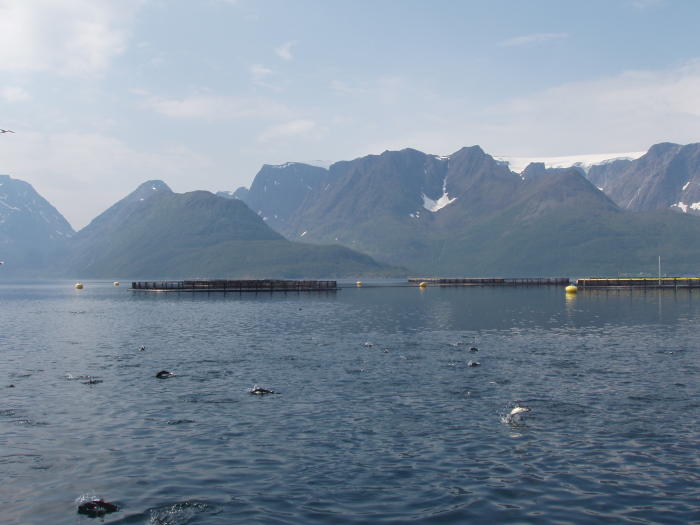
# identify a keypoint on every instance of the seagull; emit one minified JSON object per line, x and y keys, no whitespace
{"x":513,"y":417}
{"x":6,"y":131}
{"x":519,"y":410}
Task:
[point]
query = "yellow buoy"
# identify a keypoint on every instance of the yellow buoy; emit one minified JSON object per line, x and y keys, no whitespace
{"x":422,"y":284}
{"x":116,"y":283}
{"x":78,"y":286}
{"x":358,"y":283}
{"x":571,"y":289}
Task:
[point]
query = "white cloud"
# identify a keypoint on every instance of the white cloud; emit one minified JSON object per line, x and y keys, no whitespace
{"x":260,"y":72}
{"x":627,"y":112}
{"x":14,"y":94}
{"x":534,"y":38}
{"x":211,"y":107}
{"x":261,"y":75}
{"x":82,"y":174}
{"x":68,"y":36}
{"x":285,"y":50}
{"x":620,"y":113}
{"x":302,"y":128}
{"x":344,"y":88}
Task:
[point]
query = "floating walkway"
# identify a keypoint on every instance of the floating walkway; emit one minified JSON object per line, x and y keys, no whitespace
{"x":640,"y":282}
{"x":492,"y":281}
{"x":259,"y":285}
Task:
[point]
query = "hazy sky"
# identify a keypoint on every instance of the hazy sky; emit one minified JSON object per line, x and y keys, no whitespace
{"x":104,"y":95}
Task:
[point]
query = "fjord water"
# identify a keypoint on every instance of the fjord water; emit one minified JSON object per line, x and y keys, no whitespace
{"x":400,"y":429}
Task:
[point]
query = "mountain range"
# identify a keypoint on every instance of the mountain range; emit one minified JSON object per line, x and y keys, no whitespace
{"x":154,"y":233}
{"x":469,"y":214}
{"x":464,"y":214}
{"x":667,"y":176}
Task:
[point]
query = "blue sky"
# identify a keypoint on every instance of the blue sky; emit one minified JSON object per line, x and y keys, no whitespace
{"x":104,"y":95}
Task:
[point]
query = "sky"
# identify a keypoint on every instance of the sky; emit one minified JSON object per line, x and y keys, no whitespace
{"x":106,"y":94}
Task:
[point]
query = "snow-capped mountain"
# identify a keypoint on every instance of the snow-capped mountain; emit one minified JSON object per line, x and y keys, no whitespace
{"x":469,"y":214}
{"x":582,"y":162}
{"x":666,"y":177}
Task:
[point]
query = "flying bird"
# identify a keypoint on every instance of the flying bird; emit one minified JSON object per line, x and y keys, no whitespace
{"x":6,"y":131}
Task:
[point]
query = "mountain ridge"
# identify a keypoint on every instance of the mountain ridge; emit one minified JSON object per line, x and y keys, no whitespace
{"x":158,"y":234}
{"x":431,"y":213}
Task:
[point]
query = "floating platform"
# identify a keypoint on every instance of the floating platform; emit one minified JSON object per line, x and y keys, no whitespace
{"x":258,"y":285}
{"x":492,"y":281}
{"x":640,"y":282}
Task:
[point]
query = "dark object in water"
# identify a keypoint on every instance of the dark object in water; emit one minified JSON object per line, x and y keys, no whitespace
{"x":142,"y":348}
{"x":473,"y":363}
{"x":92,"y":382}
{"x":97,"y":508}
{"x":10,"y":386}
{"x":256,"y":285}
{"x":473,"y":349}
{"x":164,"y":374}
{"x":260,"y":391}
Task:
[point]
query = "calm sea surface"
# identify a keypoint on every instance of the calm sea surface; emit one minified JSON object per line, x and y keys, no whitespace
{"x":378,"y":419}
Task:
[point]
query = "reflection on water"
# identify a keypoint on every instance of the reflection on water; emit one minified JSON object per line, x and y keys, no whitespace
{"x":399,"y":430}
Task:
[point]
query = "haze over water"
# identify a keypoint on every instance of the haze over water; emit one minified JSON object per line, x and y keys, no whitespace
{"x":402,"y":430}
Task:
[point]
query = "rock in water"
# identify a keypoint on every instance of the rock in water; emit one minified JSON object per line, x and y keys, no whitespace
{"x":97,"y":508}
{"x":260,"y":391}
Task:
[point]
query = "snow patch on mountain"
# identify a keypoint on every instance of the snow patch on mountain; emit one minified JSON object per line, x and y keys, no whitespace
{"x":681,"y":206}
{"x":436,"y":205}
{"x":584,"y":162}
{"x":325,"y":164}
{"x":684,"y":207}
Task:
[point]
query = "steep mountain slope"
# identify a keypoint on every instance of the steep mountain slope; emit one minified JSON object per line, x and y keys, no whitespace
{"x":561,"y":225}
{"x":667,"y":176}
{"x":468,"y":214}
{"x":31,"y":229}
{"x":405,"y":187}
{"x":279,"y":192}
{"x":155,"y":233}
